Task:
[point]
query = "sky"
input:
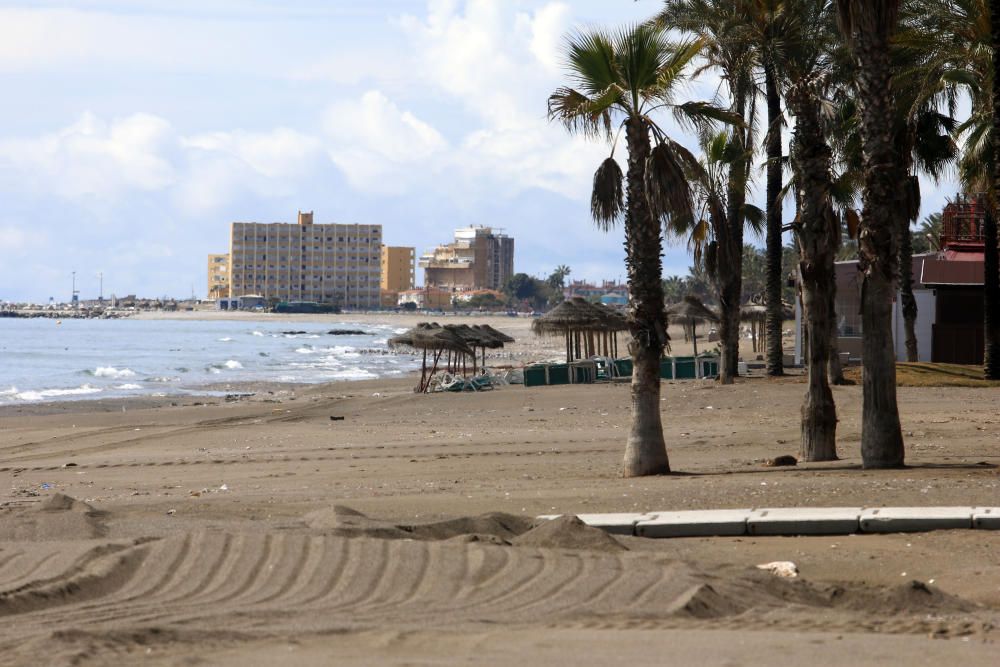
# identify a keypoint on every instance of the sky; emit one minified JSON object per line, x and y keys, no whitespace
{"x":134,"y":131}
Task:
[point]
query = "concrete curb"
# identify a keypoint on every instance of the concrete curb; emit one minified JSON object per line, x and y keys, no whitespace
{"x":793,"y":521}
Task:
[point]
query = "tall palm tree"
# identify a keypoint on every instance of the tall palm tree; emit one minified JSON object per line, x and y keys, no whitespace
{"x":868,"y":26}
{"x":729,"y":47}
{"x":963,"y":38}
{"x":770,"y":22}
{"x":710,"y":181}
{"x":619,"y":79}
{"x":808,"y":72}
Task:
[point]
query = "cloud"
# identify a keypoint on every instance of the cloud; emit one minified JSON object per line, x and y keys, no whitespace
{"x":377,"y":145}
{"x":92,"y":157}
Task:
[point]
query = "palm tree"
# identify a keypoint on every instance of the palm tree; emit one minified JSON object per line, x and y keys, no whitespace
{"x":868,"y":26}
{"x":771,"y":21}
{"x":807,"y":70}
{"x":963,"y":34}
{"x":620,"y":79}
{"x":723,"y":25}
{"x":707,"y":230}
{"x":963,"y":37}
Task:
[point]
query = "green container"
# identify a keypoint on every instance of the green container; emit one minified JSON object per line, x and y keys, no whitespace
{"x":558,"y":374}
{"x":583,"y":375}
{"x":534,"y":376}
{"x":685,"y":368}
{"x":667,"y":368}
{"x":709,"y":366}
{"x":624,"y":367}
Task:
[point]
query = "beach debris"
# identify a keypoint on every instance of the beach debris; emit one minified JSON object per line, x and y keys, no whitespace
{"x":69,"y":465}
{"x":335,"y":418}
{"x":780,"y":568}
{"x":171,"y":512}
{"x":224,"y":487}
{"x":783,"y":460}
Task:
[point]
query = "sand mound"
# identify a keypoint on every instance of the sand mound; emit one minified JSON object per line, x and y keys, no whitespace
{"x":913,"y":597}
{"x":59,"y":517}
{"x":347,"y":522}
{"x":568,"y":532}
{"x":495,"y":524}
{"x":495,"y":527}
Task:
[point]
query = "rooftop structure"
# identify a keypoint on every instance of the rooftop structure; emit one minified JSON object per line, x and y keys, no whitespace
{"x":478,"y":258}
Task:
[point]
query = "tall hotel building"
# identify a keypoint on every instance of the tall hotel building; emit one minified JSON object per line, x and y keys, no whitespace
{"x":333,"y":264}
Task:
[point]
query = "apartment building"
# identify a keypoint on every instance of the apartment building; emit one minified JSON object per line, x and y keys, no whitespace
{"x":333,"y":264}
{"x":218,"y":276}
{"x":478,"y":258}
{"x":398,"y":268}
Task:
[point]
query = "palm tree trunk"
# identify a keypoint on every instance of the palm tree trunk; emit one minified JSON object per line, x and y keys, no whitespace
{"x":645,"y":450}
{"x":881,"y":435}
{"x":775,"y":310}
{"x":730,"y":259}
{"x":991,"y":261}
{"x":815,"y":236}
{"x":908,"y":301}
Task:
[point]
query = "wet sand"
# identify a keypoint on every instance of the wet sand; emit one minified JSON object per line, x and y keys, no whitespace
{"x":220,"y":533}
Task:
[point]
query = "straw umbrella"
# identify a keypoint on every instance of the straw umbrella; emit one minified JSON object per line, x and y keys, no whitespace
{"x":433,"y":338}
{"x":567,"y":319}
{"x":690,"y":311}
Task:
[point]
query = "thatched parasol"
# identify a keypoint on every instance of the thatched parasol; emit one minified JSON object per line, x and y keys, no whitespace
{"x":434,"y":338}
{"x":608,"y":322}
{"x":570,"y":320}
{"x":499,"y":335}
{"x":689,"y":312}
{"x":756,"y":315}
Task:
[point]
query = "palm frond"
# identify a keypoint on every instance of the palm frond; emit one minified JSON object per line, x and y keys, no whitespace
{"x":666,"y":185}
{"x":581,"y":114}
{"x":607,"y":201}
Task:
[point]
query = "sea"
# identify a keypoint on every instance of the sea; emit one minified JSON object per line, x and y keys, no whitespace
{"x":58,"y":360}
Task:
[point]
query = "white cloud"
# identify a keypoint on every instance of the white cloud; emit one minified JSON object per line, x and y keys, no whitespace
{"x":92,"y":157}
{"x":378,"y":146}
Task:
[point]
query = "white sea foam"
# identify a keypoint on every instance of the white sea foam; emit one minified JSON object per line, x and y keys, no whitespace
{"x":162,"y":378}
{"x":9,"y":392}
{"x":305,"y":350}
{"x":353,"y":373}
{"x":225,"y":340}
{"x":129,"y":385}
{"x":258,"y":333}
{"x":42,"y":394}
{"x":232,"y":363}
{"x":112,"y":372}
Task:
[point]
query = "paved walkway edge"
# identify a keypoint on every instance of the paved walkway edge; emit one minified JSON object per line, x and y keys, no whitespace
{"x":793,"y":521}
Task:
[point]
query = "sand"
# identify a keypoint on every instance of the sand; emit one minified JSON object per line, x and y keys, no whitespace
{"x":260,"y":532}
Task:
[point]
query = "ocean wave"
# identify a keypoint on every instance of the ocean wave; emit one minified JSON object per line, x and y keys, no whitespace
{"x":112,"y":372}
{"x":305,"y":349}
{"x":129,"y":385}
{"x":225,"y":340}
{"x":41,"y":395}
{"x":161,"y":378}
{"x":257,"y":333}
{"x":9,"y":392}
{"x":232,"y":363}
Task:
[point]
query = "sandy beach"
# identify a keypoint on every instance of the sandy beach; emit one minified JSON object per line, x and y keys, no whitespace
{"x":262,"y":531}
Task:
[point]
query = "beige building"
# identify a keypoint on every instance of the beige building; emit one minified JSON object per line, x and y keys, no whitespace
{"x":218,"y":276}
{"x":478,"y":258}
{"x":398,"y":268}
{"x":330,"y":264}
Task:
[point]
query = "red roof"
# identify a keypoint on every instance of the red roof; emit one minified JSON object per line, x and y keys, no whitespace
{"x":953,"y":268}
